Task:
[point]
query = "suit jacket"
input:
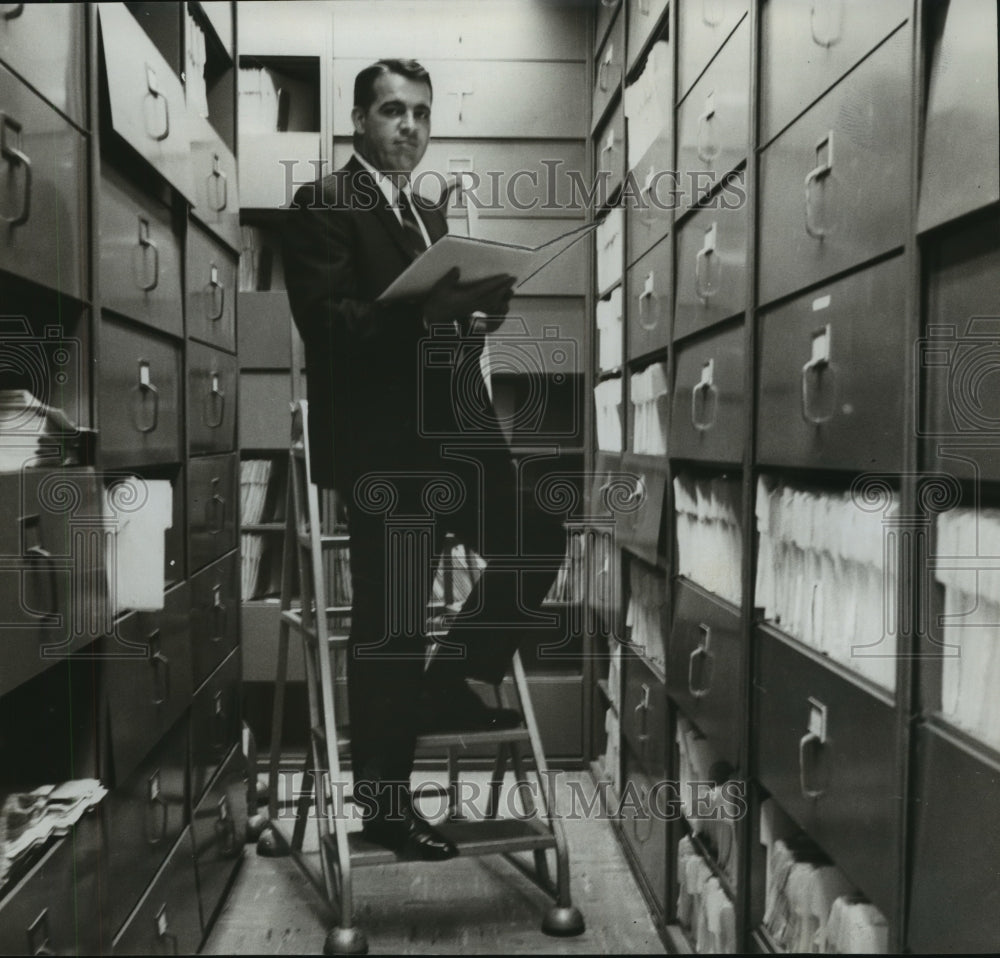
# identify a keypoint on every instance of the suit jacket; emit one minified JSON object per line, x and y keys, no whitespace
{"x":372,"y":395}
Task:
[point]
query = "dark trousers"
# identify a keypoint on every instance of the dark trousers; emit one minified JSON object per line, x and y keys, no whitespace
{"x":398,"y":518}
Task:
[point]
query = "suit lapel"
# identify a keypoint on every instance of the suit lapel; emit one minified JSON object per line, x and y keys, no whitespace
{"x":433,"y":221}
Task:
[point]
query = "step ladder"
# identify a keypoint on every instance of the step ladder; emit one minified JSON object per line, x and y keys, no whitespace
{"x":325,"y":641}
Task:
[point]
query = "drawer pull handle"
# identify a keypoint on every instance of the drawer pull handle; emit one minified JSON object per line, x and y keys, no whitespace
{"x":218,"y":721}
{"x":605,"y":69}
{"x":15,"y":10}
{"x":47,"y":573}
{"x":39,"y":938}
{"x":644,"y":7}
{"x":216,"y":511}
{"x":714,"y":18}
{"x":146,"y":388}
{"x":218,"y":293}
{"x":161,"y":670}
{"x":823,"y":169}
{"x":705,"y":399}
{"x":215,"y":404}
{"x":153,"y":86}
{"x":225,"y":829}
{"x":644,"y":815}
{"x":705,"y":284}
{"x":814,"y":739}
{"x":702,"y":652}
{"x":649,"y":315}
{"x":156,"y":811}
{"x":218,"y":184}
{"x":161,"y":928}
{"x":833,"y":23}
{"x":707,"y":151}
{"x":461,"y":94}
{"x":818,"y":368}
{"x":643,"y":707}
{"x":219,"y":614}
{"x":146,"y":243}
{"x":16,"y":157}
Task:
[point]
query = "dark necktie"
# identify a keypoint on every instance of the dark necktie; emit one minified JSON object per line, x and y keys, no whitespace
{"x":412,"y":235}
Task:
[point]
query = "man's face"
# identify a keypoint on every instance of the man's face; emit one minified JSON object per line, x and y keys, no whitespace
{"x":394,"y":130}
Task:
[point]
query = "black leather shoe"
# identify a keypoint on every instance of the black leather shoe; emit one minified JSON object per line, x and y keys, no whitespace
{"x":454,"y":707}
{"x":412,"y":838}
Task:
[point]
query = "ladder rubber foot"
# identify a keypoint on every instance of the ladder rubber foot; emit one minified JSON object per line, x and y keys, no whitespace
{"x":345,"y":941}
{"x":563,"y":921}
{"x":268,"y":845}
{"x":261,"y":790}
{"x":256,"y":825}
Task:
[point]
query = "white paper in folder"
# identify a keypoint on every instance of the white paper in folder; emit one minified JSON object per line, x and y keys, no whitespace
{"x":477,"y":259}
{"x":138,"y":512}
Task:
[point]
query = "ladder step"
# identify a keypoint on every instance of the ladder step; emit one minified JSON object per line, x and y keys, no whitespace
{"x":440,"y":740}
{"x":327,"y":540}
{"x":471,"y":838}
{"x":294,"y":618}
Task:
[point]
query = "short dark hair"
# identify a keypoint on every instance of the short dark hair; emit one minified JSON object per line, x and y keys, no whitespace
{"x":364,"y":82}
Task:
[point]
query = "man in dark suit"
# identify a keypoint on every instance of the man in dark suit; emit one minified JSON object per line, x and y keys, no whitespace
{"x":402,"y":426}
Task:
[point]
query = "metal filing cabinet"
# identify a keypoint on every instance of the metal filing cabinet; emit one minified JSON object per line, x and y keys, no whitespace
{"x":702,"y":27}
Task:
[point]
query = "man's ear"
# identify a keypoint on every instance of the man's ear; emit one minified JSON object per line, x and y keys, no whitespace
{"x":358,"y":116}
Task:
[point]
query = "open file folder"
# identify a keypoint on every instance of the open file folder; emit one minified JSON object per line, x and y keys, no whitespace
{"x":477,"y":259}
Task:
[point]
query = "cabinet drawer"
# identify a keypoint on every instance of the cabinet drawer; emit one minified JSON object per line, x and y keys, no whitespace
{"x":644,"y":712}
{"x":211,"y":396}
{"x":149,"y":687}
{"x":215,"y":723}
{"x":707,"y":418}
{"x":807,"y":47}
{"x":167,"y":921}
{"x":140,"y":396}
{"x":704,"y":662}
{"x":212,"y":507}
{"x":53,"y":584}
{"x":53,"y":910}
{"x":713,"y":121}
{"x":954,"y":869}
{"x":43,"y":190}
{"x":846,"y":152}
{"x":146,"y":99}
{"x":609,"y":155}
{"x":47,"y":50}
{"x":210,"y":283}
{"x":140,"y":256}
{"x":214,"y":617}
{"x":640,"y":522}
{"x":144,"y":816}
{"x":608,"y":67}
{"x":831,"y":366}
{"x":842,"y":790}
{"x":711,"y":268}
{"x":702,"y":28}
{"x":963,"y":120}
{"x":490,"y":98}
{"x":218,"y":828}
{"x":265,"y":330}
{"x":214,"y":181}
{"x":649,"y":212}
{"x":643,"y":18}
{"x":643,"y":825}
{"x":647,"y":311}
{"x":957,"y":358}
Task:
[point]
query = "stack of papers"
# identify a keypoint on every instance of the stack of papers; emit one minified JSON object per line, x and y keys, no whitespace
{"x":609,"y":330}
{"x":254,"y":477}
{"x":251,"y":550}
{"x":258,"y":101}
{"x":647,"y":614}
{"x":610,"y":249}
{"x":29,"y":819}
{"x":822,"y":575}
{"x":649,"y":103}
{"x":608,"y":408}
{"x":195,"y":90}
{"x":650,"y":402}
{"x":965,"y":563}
{"x":709,"y":534}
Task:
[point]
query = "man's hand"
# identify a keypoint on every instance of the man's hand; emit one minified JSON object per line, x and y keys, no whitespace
{"x":451,"y":300}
